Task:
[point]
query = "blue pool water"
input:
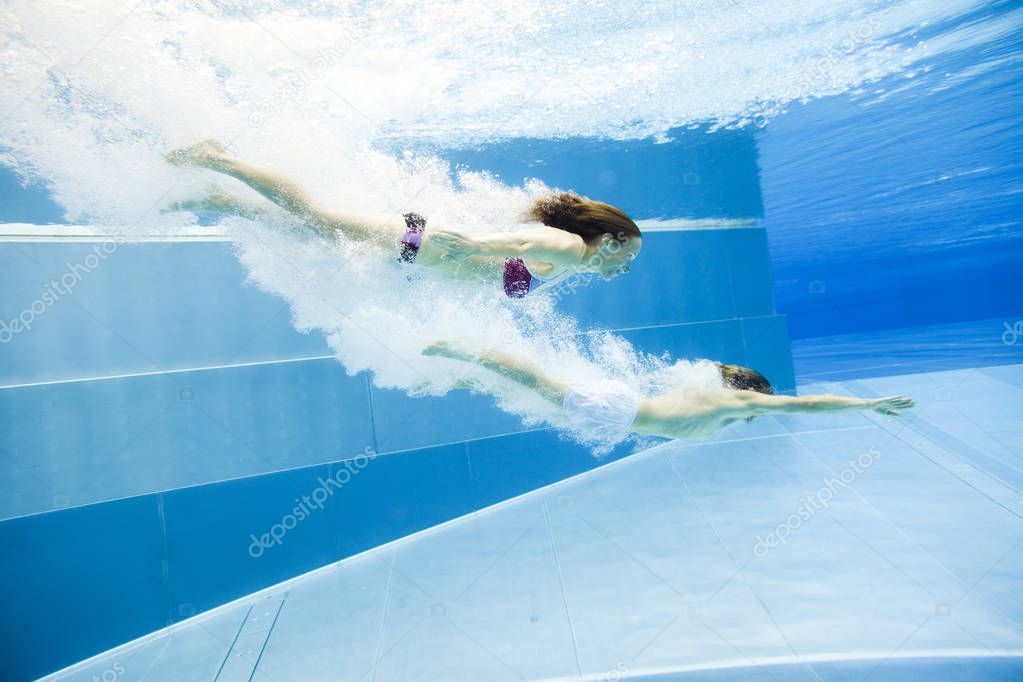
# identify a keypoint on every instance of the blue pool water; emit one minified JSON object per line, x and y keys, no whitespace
{"x":223,"y":457}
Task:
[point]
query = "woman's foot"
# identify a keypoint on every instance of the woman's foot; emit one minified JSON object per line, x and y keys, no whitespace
{"x":200,"y":154}
{"x":456,"y":350}
{"x":438,"y":349}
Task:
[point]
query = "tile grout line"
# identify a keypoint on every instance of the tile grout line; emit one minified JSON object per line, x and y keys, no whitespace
{"x":59,"y":234}
{"x":798,"y":658}
{"x":183,"y":370}
{"x":312,"y":358}
{"x":561,"y":584}
{"x":269,"y":633}
{"x":431,"y":446}
{"x":862,"y":390}
{"x":383,"y":615}
{"x":779,"y":661}
{"x":238,"y":634}
{"x":394,"y":544}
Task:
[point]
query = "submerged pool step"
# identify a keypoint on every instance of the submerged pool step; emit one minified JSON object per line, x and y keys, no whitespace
{"x":82,"y":442}
{"x":205,"y":530}
{"x":175,"y":316}
{"x":674,"y":560}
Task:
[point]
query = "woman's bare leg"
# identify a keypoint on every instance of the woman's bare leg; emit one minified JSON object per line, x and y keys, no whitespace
{"x":380,"y":228}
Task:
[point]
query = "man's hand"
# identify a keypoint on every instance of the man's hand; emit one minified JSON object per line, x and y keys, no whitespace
{"x":891,"y":405}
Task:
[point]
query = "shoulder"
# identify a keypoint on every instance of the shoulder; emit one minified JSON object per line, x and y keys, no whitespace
{"x":761,"y":403}
{"x":724,"y":404}
{"x":556,"y":240}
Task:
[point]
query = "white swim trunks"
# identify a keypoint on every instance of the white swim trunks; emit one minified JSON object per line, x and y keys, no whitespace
{"x":601,"y":410}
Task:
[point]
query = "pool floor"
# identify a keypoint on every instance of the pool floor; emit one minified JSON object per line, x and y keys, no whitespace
{"x":820,"y":548}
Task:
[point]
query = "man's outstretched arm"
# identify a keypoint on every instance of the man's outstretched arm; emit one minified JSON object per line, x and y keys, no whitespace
{"x":515,"y":368}
{"x":786,"y":404}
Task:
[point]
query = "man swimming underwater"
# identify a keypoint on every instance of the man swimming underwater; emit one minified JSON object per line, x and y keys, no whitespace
{"x":609,"y":409}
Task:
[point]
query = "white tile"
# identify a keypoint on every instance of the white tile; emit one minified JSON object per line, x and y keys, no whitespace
{"x":478,"y":600}
{"x":329,"y":624}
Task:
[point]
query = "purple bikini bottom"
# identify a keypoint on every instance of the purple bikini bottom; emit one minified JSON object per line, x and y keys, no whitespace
{"x":413,"y":239}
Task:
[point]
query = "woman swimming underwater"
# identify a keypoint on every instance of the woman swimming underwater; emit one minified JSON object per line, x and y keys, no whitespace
{"x":577,"y":235}
{"x":609,"y":410}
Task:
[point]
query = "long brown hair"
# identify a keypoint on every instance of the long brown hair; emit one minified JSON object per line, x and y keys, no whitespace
{"x":587,"y":218}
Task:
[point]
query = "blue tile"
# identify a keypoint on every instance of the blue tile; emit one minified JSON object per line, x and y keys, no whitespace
{"x":721,"y":340}
{"x":752,"y":286}
{"x":1007,"y":374}
{"x":760,"y":343}
{"x":229,"y":539}
{"x":77,"y":582}
{"x":694,"y":172}
{"x":94,"y":441}
{"x":767,"y":350}
{"x":174,"y":317}
{"x":398,"y":494}
{"x":292,"y":414}
{"x":679,"y":276}
{"x":961,"y":668}
{"x":403,"y":422}
{"x":69,"y":436}
{"x":502,"y":468}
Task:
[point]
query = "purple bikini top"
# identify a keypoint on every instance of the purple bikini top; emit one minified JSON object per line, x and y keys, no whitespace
{"x":518,"y":281}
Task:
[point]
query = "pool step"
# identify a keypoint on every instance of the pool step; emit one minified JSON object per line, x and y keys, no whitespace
{"x":191,"y":305}
{"x":682,"y":555}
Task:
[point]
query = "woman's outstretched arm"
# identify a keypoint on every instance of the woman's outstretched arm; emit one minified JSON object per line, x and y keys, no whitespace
{"x":515,"y":368}
{"x":539,"y":243}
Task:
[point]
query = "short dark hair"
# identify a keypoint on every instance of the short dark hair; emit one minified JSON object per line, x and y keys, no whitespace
{"x":744,"y":379}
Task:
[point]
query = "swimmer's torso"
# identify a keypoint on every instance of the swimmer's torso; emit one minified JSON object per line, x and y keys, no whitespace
{"x":686,"y":412}
{"x":487,"y":268}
